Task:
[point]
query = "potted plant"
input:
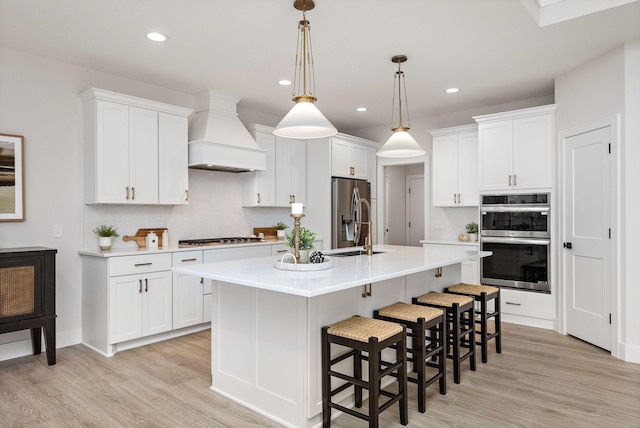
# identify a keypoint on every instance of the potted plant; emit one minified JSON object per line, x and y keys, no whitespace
{"x":306,"y":243}
{"x":105,"y":233}
{"x":472,"y":231}
{"x":280,"y":227}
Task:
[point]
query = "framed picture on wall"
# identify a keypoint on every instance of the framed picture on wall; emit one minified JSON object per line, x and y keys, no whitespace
{"x":11,"y":177}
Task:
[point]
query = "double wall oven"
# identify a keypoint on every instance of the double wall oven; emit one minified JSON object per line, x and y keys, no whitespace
{"x":516,"y":228}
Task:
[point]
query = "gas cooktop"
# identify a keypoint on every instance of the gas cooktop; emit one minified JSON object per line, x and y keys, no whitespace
{"x":208,"y":242}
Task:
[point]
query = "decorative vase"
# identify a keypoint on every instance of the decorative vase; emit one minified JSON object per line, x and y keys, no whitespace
{"x":280,"y":234}
{"x":473,"y":237}
{"x":105,"y":243}
{"x":304,"y":256}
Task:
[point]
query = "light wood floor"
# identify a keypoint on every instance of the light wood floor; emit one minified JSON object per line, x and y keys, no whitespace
{"x":541,"y":379}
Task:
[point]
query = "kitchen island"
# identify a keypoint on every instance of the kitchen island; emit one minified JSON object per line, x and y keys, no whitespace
{"x":265,"y":328}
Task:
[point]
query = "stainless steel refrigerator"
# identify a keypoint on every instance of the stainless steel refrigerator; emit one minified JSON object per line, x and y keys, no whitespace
{"x":345,"y":193}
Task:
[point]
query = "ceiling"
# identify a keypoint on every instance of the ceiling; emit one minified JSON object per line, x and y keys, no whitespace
{"x":493,"y":50}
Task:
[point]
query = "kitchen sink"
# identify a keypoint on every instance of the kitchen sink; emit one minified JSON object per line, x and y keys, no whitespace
{"x":353,"y":253}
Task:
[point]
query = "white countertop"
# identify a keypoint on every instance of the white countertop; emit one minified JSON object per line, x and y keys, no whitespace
{"x":347,"y":272}
{"x":444,"y":242}
{"x":96,"y":252}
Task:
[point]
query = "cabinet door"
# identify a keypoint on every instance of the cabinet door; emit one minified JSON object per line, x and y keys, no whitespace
{"x":496,"y":155}
{"x":112,"y":152}
{"x":259,"y":187}
{"x":125,"y":308}
{"x":358,"y":161}
{"x":533,"y":144}
{"x":340,"y":166}
{"x":143,"y":152}
{"x":468,"y":194}
{"x":445,"y":171}
{"x":173,"y":162}
{"x":156,"y":303}
{"x":188,"y":300}
{"x":290,"y":171}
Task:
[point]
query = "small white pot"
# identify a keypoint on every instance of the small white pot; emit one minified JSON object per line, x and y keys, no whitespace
{"x":280,"y":234}
{"x":304,"y":256}
{"x":473,"y":237}
{"x":105,"y":243}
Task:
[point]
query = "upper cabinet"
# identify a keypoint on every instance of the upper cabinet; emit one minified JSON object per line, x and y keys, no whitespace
{"x":455,"y":166}
{"x":515,"y":149}
{"x":135,"y":150}
{"x":284,"y":181}
{"x":351,"y":160}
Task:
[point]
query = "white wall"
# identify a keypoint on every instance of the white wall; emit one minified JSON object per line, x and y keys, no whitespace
{"x":39,"y":100}
{"x":605,"y":86}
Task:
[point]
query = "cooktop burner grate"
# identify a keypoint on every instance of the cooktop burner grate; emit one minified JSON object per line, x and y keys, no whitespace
{"x":218,"y":241}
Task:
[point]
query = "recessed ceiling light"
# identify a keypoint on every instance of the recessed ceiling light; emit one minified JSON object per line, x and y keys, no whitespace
{"x":156,"y":37}
{"x":361,"y":109}
{"x":284,"y":82}
{"x":451,"y":90}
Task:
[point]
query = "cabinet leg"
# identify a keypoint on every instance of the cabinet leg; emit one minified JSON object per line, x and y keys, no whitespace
{"x":50,"y":340}
{"x":36,"y":340}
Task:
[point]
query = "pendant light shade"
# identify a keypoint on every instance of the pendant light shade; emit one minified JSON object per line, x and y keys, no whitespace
{"x":304,"y":120}
{"x":400,"y":144}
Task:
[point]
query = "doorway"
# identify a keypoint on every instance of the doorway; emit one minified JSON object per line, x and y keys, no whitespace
{"x":588,"y":244}
{"x":396,"y":206}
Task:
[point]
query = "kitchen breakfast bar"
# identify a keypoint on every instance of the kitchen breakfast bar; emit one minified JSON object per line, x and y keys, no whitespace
{"x":266,"y":322}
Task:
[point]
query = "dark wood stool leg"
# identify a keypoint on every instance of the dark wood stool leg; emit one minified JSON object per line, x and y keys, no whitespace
{"x":357,"y":373}
{"x":498,"y":327}
{"x":471,"y":314}
{"x":374,"y":383}
{"x":401,"y":355}
{"x":326,"y":379}
{"x":441,"y":333}
{"x":483,"y":326}
{"x":455,"y":338}
{"x":420,"y":347}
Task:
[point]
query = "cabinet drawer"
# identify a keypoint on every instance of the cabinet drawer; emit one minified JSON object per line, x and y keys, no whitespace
{"x":526,"y":303}
{"x":139,"y":264}
{"x":244,"y":252}
{"x":187,"y":258}
{"x":280,"y":249}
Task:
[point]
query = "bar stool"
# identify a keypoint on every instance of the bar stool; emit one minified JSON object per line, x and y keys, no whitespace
{"x":368,"y":335}
{"x":461,"y":326}
{"x":418,"y":320}
{"x":483,"y":294}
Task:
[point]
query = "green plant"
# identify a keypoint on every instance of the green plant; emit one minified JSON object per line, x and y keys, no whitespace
{"x":280,"y":226}
{"x":306,"y":239}
{"x":472,"y":227}
{"x":104,"y":231}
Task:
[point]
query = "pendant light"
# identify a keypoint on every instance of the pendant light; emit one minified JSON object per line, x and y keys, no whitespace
{"x":400,"y":144}
{"x":304,"y":120}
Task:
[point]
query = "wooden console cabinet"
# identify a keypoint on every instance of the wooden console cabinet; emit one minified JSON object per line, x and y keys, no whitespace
{"x":28,"y":295}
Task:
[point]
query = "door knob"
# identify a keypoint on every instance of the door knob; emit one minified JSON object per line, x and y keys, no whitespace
{"x":567,"y":245}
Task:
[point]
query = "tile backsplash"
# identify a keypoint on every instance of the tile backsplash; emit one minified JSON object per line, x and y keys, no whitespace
{"x":214,"y":210}
{"x":452,"y":222}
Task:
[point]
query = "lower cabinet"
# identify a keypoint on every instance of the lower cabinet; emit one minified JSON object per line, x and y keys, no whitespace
{"x":527,"y":308}
{"x":470,"y":269}
{"x":188,"y":292}
{"x":140,"y":305}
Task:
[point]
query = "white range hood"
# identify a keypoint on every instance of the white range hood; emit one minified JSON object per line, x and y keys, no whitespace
{"x":218,"y":141}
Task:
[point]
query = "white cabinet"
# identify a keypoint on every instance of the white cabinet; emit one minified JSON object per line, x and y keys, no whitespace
{"x":135,"y":150}
{"x":455,"y":167}
{"x":140,"y":299}
{"x":173,"y":159}
{"x":526,"y":308}
{"x":188,"y":291}
{"x":350,"y":160}
{"x":469,"y":269}
{"x":515,"y":149}
{"x":284,"y":181}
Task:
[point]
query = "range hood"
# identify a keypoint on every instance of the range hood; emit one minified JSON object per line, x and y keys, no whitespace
{"x":218,"y":141}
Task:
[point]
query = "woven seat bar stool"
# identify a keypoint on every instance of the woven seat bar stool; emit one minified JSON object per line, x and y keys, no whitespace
{"x":459,"y":312}
{"x":482,"y":294}
{"x":420,"y":320}
{"x":372,"y":336}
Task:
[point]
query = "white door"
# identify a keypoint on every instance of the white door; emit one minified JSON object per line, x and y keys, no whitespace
{"x":587,"y":264}
{"x":415,"y":210}
{"x":157,"y":303}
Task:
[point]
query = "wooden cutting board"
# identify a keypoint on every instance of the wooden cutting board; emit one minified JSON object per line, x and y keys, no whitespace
{"x":269,"y":232}
{"x":141,"y":235}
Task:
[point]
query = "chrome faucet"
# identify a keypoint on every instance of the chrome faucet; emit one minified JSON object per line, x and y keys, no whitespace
{"x":368,"y":242}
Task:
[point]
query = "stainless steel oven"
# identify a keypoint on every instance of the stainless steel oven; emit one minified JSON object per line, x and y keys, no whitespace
{"x":516,"y":228}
